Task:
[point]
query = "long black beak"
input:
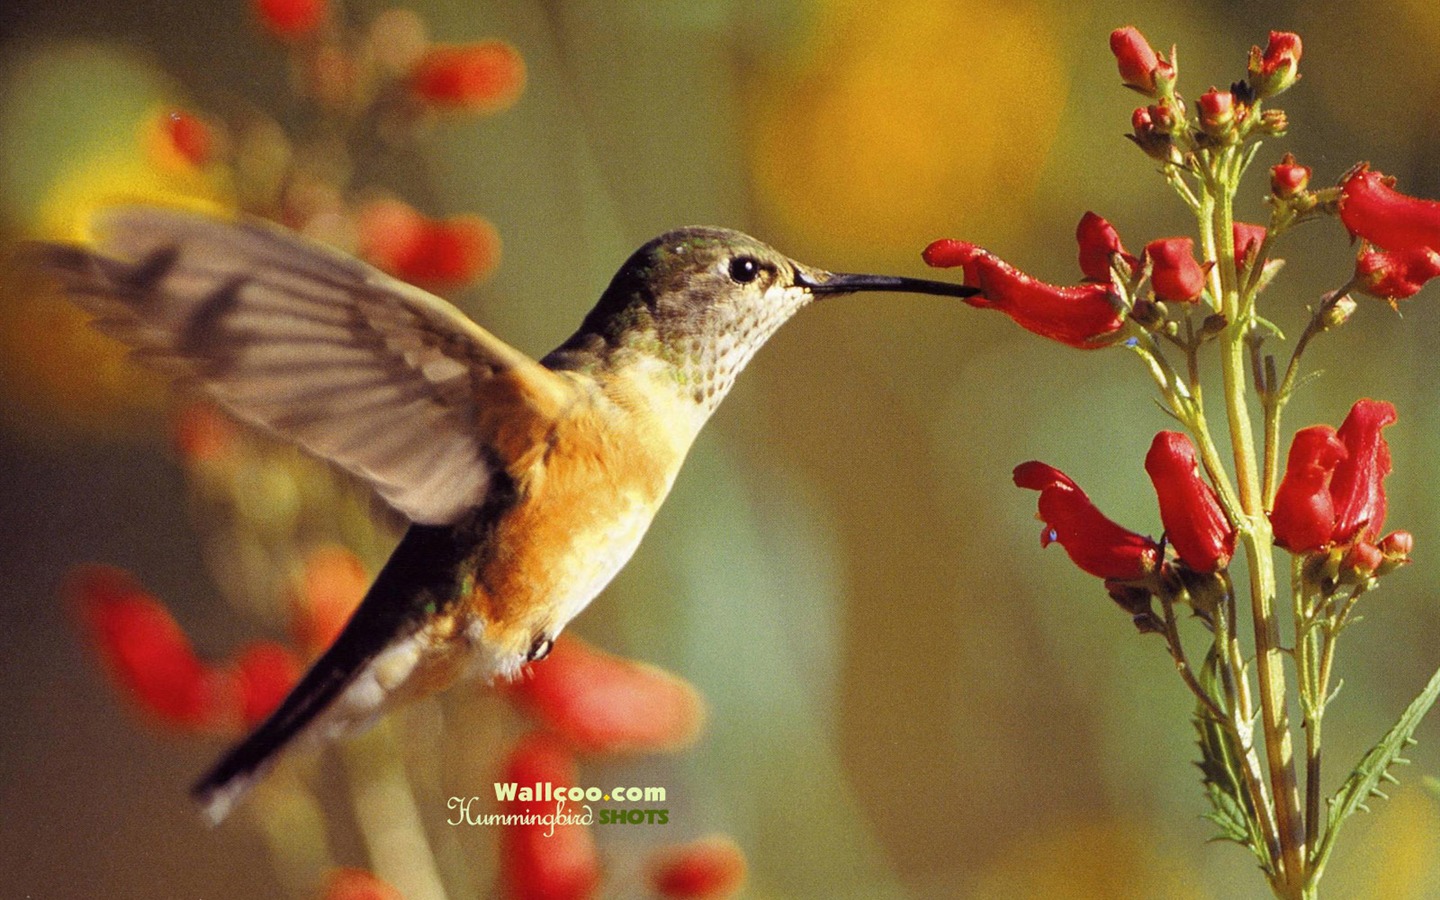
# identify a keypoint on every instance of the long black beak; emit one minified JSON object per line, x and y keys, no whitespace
{"x":825,"y":283}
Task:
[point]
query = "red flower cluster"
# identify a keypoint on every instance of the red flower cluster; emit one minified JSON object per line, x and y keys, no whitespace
{"x":1333,"y":492}
{"x":437,"y":253}
{"x":1080,"y":315}
{"x":1405,"y":228}
{"x":1195,"y":524}
{"x":149,"y":657}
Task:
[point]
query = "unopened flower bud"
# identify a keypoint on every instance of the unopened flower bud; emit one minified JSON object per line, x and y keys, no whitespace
{"x":1149,"y":137}
{"x":1140,"y":67}
{"x":1396,"y":548}
{"x":1289,"y":179}
{"x":1361,"y":561}
{"x":1339,"y":313}
{"x":1217,"y":112}
{"x":1274,"y":122}
{"x":1277,"y":67}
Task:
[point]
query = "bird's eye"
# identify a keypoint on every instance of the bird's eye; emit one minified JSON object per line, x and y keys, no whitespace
{"x":744,"y":269}
{"x":540,"y":649}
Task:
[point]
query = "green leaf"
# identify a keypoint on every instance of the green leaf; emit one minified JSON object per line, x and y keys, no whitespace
{"x":1219,"y":764}
{"x":1374,"y":768}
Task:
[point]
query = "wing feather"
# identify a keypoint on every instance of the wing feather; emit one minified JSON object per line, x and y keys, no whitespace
{"x":377,"y":376}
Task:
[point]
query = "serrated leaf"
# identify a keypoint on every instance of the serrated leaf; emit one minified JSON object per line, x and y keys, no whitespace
{"x":1219,"y":766}
{"x":1373,"y":768}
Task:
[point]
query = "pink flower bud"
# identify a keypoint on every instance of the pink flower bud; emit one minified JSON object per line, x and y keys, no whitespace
{"x":1289,"y":179}
{"x":1395,"y":275}
{"x":1195,"y":525}
{"x":1099,"y":241}
{"x":1078,"y":315}
{"x":1140,"y":67}
{"x":1372,"y":209}
{"x":1363,"y":558}
{"x":1277,"y":67}
{"x":1175,"y":276}
{"x":1094,"y":543}
{"x":1303,"y":514}
{"x":1358,"y":486}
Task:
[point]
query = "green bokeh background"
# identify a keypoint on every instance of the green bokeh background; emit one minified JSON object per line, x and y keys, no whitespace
{"x":908,"y":697}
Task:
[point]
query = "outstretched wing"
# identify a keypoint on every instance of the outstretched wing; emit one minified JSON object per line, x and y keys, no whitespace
{"x":381,"y":378}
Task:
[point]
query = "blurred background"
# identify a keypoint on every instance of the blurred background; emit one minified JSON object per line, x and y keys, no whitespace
{"x":907,"y":696}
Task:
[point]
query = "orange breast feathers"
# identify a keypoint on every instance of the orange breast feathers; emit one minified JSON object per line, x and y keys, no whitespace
{"x":587,"y":490}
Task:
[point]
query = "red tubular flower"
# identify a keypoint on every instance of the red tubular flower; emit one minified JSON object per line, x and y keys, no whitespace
{"x":1248,"y":239}
{"x":146,"y":653}
{"x":1303,"y":515}
{"x":266,"y":672}
{"x":1217,"y":111}
{"x":1139,"y":65}
{"x":291,"y":20}
{"x":1277,"y":67}
{"x":1098,"y":241}
{"x":1194,"y":523}
{"x":1077,"y":316}
{"x":1095,"y":543}
{"x":476,"y":78}
{"x":536,"y":862}
{"x":1288,"y":178}
{"x":707,"y":869}
{"x":398,"y":239}
{"x":1372,"y":209}
{"x":1395,"y":275}
{"x":1358,"y":486}
{"x":604,"y":704}
{"x":1175,"y":276}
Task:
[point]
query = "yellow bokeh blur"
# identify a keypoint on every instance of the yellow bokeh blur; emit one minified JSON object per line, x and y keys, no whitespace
{"x":845,"y":142}
{"x":82,"y":130}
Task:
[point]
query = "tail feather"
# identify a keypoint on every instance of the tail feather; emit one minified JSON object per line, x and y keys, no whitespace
{"x":415,"y":576}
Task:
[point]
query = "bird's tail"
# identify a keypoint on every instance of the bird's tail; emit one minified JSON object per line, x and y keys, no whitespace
{"x":392,"y":611}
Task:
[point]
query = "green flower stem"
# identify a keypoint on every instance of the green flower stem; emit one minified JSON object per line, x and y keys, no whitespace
{"x":1239,"y":715}
{"x":1276,"y":399}
{"x":1253,"y":529}
{"x":1310,"y":673}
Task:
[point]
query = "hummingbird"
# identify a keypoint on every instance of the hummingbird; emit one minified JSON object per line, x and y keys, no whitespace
{"x":527,"y":484}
